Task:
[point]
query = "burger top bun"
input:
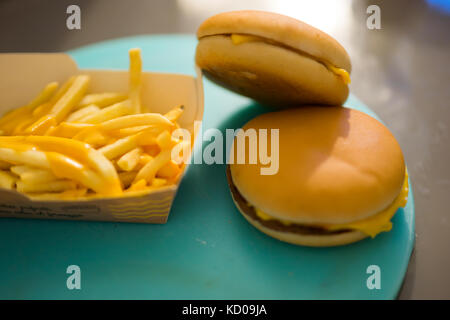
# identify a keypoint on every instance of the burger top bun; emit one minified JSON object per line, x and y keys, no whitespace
{"x":290,"y":62}
{"x":336,"y":165}
{"x":281,"y":29}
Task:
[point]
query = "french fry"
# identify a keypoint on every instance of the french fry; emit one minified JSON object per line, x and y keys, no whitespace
{"x":116,"y":110}
{"x":175,"y":113}
{"x":62,"y":91}
{"x":29,"y":157}
{"x":146,"y":138}
{"x":71,"y":98}
{"x":101,"y":99}
{"x":68,"y":129}
{"x":37,"y":176}
{"x":42,"y":110}
{"x":8,"y":127}
{"x":82,"y":113}
{"x":33,"y":174}
{"x":148,"y":132}
{"x":52,"y":186}
{"x":164,"y":140}
{"x":130,"y":160}
{"x":120,"y":147}
{"x":41,"y":126}
{"x":152,"y":150}
{"x":97,"y":139}
{"x":60,"y":109}
{"x":144,"y":159}
{"x":44,"y":95}
{"x":149,"y":171}
{"x":136,"y":120}
{"x":22,"y":126}
{"x":7,"y":180}
{"x":17,"y":117}
{"x":125,"y":132}
{"x":88,"y":132}
{"x":135,"y":79}
{"x":138,"y":185}
{"x":169,"y":170}
{"x":158,"y":182}
{"x":20,"y":169}
{"x":45,"y":108}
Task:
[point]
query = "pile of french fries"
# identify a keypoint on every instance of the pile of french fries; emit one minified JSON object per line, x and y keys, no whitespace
{"x":68,"y":144}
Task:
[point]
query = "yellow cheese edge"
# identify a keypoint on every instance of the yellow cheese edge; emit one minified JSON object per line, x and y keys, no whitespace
{"x":243,"y":38}
{"x":371,"y":226}
{"x":339,"y":72}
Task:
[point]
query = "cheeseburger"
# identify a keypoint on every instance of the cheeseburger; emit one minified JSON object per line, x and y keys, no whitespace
{"x":341,"y":177}
{"x":274,"y":59}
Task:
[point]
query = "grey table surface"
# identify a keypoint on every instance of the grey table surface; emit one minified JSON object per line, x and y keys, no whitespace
{"x":401,"y":71}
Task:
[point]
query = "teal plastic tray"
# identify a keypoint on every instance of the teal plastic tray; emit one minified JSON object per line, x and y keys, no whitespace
{"x":206,"y":250}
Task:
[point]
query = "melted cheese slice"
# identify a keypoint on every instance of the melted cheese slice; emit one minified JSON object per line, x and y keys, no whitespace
{"x":339,"y":72}
{"x":243,"y":38}
{"x":371,"y":226}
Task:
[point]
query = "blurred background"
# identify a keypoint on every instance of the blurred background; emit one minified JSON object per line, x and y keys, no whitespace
{"x":401,"y":71}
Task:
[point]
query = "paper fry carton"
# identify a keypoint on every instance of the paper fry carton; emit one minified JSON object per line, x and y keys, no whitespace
{"x":22,"y":78}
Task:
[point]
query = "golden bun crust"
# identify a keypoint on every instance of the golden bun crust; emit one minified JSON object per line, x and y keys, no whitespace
{"x":280,"y":28}
{"x":336,"y":165}
{"x":268,"y":73}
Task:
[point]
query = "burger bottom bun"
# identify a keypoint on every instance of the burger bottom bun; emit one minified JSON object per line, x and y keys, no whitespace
{"x":310,"y":239}
{"x":269,"y":73}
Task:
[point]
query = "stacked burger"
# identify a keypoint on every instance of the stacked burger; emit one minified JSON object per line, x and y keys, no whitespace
{"x":341,"y":174}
